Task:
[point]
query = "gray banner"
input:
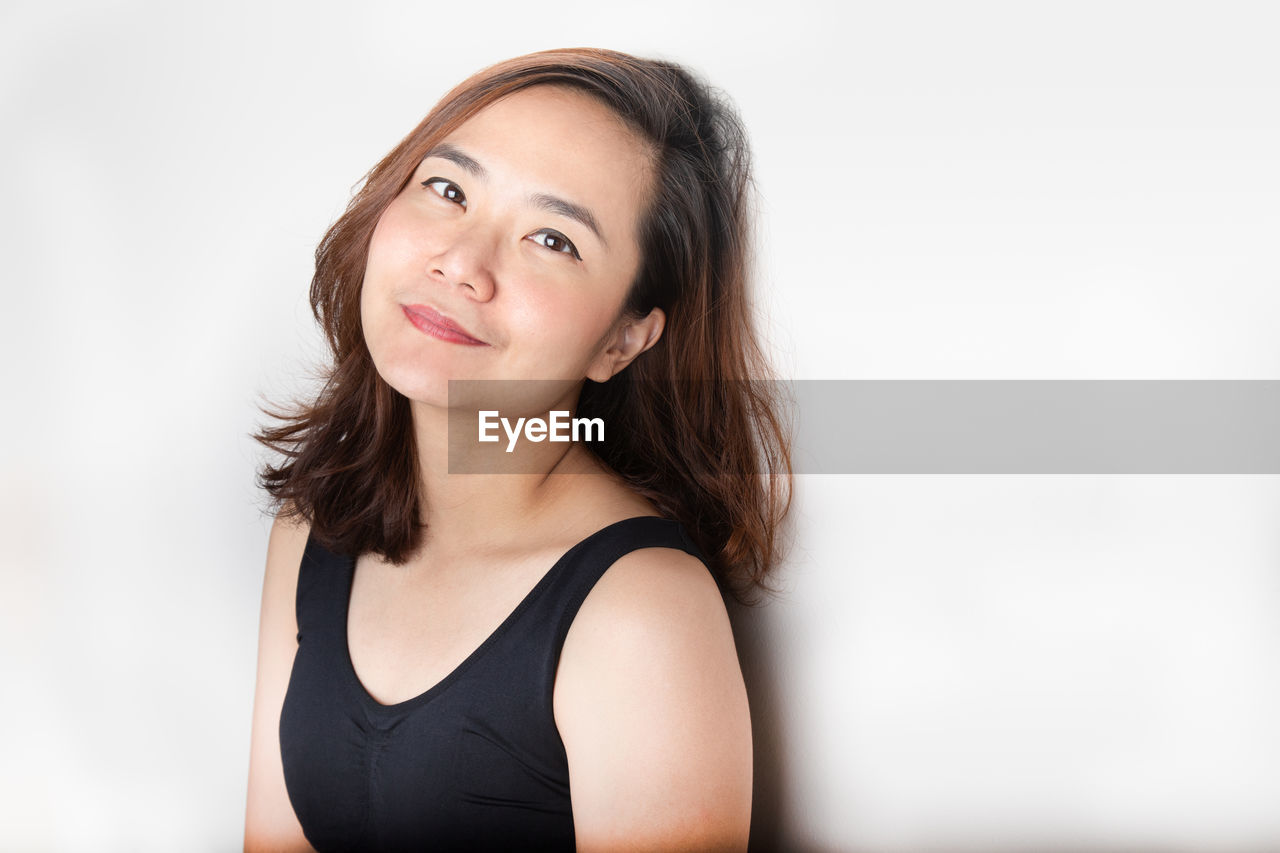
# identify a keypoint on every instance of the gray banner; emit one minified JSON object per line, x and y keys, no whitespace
{"x":936,"y":426}
{"x":1037,"y":427}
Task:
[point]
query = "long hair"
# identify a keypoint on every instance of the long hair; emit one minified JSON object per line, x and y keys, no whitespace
{"x":704,"y":438}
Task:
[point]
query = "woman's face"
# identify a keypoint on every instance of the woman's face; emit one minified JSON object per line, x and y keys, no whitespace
{"x":511,"y":250}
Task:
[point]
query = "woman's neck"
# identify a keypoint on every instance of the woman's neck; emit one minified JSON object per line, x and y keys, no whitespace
{"x":489,"y":492}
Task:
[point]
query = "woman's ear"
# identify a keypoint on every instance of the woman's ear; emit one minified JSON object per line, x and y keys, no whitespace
{"x":628,"y":340}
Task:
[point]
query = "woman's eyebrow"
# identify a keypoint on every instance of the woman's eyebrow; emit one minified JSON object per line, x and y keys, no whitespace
{"x":548,"y":202}
{"x":576,"y":212}
{"x":445,"y":151}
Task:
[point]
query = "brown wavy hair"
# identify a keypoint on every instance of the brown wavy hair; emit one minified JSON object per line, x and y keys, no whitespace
{"x":705,"y":439}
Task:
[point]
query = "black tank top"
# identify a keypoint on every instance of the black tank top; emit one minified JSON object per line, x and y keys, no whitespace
{"x":475,"y":762}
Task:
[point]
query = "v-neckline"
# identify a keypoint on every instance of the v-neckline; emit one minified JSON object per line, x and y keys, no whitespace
{"x":349,"y":563}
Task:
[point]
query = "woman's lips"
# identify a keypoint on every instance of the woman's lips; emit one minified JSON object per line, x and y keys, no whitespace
{"x":430,"y":321}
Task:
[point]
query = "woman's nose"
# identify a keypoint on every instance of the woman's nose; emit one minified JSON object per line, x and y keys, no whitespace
{"x":467,"y":261}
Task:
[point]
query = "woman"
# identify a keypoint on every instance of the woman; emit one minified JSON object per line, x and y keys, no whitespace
{"x":536,"y":657}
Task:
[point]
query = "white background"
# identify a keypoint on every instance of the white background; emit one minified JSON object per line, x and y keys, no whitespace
{"x":949,"y":190}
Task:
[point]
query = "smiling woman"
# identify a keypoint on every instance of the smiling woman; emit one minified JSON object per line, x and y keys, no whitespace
{"x":539,"y":659}
{"x":522,"y":196}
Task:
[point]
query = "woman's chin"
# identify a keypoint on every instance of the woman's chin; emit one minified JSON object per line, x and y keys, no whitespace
{"x":427,"y":390}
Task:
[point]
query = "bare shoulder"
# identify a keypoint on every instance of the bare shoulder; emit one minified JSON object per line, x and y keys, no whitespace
{"x":270,"y":823}
{"x":285,"y":545}
{"x":652,"y":709}
{"x":659,"y":595}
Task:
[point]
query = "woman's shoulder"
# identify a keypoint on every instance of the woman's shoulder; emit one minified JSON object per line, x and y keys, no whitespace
{"x":285,"y":546}
{"x":659,"y":594}
{"x":652,"y":600}
{"x":650,"y":702}
{"x":646,"y":583}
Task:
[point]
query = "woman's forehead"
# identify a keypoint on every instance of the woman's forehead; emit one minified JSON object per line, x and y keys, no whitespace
{"x":554,"y":108}
{"x":562,"y":136}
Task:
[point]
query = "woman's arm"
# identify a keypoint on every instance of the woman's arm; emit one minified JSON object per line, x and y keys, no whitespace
{"x":270,"y":823}
{"x":653,"y":712}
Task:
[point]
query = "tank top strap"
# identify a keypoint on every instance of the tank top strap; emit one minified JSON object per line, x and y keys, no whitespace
{"x":587,"y":562}
{"x":324,"y":577}
{"x":324,"y":586}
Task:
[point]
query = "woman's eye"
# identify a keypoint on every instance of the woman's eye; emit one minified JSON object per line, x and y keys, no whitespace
{"x":556,"y":242}
{"x":446,"y":189}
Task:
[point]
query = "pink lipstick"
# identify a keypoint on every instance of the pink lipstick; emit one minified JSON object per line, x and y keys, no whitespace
{"x":431,"y":322}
